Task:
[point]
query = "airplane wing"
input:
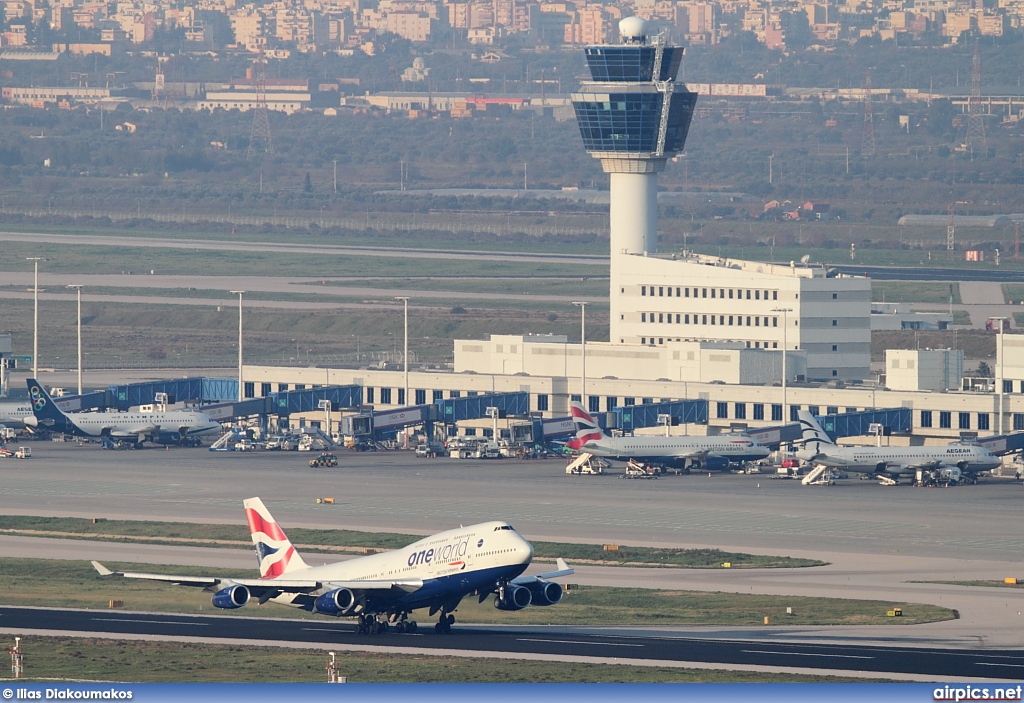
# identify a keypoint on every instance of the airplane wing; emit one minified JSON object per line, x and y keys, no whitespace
{"x":563,"y":570}
{"x":408,"y":585}
{"x":259,"y":586}
{"x":214,"y":582}
{"x":133,"y":432}
{"x":925,"y":465}
{"x":691,"y":454}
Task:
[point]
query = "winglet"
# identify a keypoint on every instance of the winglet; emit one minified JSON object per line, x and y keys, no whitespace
{"x":104,"y":571}
{"x":562,"y":566}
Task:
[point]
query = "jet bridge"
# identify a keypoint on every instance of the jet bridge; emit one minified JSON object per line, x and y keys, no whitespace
{"x":859,"y":424}
{"x":199,"y":390}
{"x":680,"y":412}
{"x":371,"y":426}
{"x":1001,"y":445}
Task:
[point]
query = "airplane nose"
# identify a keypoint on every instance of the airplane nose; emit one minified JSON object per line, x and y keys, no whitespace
{"x":526,"y":551}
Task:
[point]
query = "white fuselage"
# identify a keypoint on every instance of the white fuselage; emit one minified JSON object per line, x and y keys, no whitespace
{"x":732,"y":448}
{"x":138,"y":423}
{"x":899,"y":460}
{"x":455,"y":561}
{"x":14,"y":414}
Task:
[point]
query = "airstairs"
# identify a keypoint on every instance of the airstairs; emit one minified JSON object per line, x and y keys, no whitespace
{"x":586,"y":463}
{"x":819,"y":476}
{"x":227,"y":441}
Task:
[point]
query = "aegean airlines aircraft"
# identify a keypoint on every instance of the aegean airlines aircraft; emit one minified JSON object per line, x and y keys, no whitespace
{"x":892,"y":462}
{"x":135,"y":427}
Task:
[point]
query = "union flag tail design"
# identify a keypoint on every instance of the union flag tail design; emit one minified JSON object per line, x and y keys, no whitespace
{"x":273,"y":549}
{"x":586,"y":429}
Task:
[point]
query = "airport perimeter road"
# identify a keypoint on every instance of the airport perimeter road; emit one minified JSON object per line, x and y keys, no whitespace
{"x":911,"y":273}
{"x":550,"y":642}
{"x":299,"y":248}
{"x":285,"y":286}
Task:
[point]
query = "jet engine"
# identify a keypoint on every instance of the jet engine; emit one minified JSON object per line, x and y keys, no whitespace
{"x":340,"y":601}
{"x":545,"y":593}
{"x":715,"y":463}
{"x":513,"y":598}
{"x":231,"y":597}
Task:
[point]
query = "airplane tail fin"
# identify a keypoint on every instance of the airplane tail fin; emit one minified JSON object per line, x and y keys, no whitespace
{"x":811,"y":430}
{"x":273,"y":548}
{"x":43,"y":407}
{"x":586,"y":429}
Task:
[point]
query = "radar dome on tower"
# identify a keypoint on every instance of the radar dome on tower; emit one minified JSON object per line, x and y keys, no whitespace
{"x":633,"y":30}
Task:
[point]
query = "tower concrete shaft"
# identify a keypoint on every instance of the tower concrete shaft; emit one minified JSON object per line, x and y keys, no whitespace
{"x":633,"y":117}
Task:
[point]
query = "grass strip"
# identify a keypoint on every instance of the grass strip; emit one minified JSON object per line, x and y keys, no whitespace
{"x":75,"y":584}
{"x":359,"y":542}
{"x":94,"y":659}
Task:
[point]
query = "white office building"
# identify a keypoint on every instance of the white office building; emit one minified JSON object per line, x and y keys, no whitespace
{"x":665,"y":299}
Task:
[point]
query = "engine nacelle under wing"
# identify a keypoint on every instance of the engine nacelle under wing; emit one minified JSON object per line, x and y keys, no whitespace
{"x":231,"y":597}
{"x":545,"y":593}
{"x":513,"y":598}
{"x":340,"y":601}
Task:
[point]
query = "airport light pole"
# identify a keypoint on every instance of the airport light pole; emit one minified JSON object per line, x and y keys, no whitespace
{"x":239,"y":294}
{"x":35,"y":315}
{"x":1001,"y":381}
{"x":405,"y":350}
{"x":583,"y":353}
{"x":785,"y":372}
{"x":78,"y":290}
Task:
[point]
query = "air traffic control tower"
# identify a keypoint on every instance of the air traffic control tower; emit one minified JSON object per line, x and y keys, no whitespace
{"x":633,"y":116}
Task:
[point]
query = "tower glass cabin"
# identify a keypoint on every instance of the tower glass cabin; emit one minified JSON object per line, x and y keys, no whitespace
{"x":633,"y":117}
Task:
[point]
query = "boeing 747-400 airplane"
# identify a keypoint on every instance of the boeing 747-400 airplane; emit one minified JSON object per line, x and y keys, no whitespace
{"x":381,"y":590}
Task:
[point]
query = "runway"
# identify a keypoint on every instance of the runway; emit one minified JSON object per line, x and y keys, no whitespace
{"x":881,"y":543}
{"x":549,"y":642}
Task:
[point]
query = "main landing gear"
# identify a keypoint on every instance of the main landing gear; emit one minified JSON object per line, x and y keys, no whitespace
{"x":444,"y":624}
{"x":372,"y":625}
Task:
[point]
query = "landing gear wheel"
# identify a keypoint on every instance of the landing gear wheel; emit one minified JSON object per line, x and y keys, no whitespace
{"x":363,"y":628}
{"x":410,"y":626}
{"x":444,"y":625}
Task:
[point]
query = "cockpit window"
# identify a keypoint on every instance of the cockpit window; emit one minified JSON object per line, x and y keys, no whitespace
{"x":503,"y":527}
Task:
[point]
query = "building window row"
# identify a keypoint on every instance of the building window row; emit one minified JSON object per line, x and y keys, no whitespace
{"x":927,"y":420}
{"x":723,"y":293}
{"x":704,"y":319}
{"x":750,"y":344}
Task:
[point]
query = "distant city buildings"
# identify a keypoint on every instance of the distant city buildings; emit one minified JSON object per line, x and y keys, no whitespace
{"x":328,"y":25}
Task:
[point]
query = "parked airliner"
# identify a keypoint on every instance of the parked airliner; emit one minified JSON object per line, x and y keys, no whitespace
{"x":136,"y":427}
{"x":14,"y":414}
{"x":819,"y":449}
{"x":671,"y":451}
{"x":381,"y":590}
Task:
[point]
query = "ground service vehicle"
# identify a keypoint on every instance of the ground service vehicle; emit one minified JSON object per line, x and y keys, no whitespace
{"x":324,"y":460}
